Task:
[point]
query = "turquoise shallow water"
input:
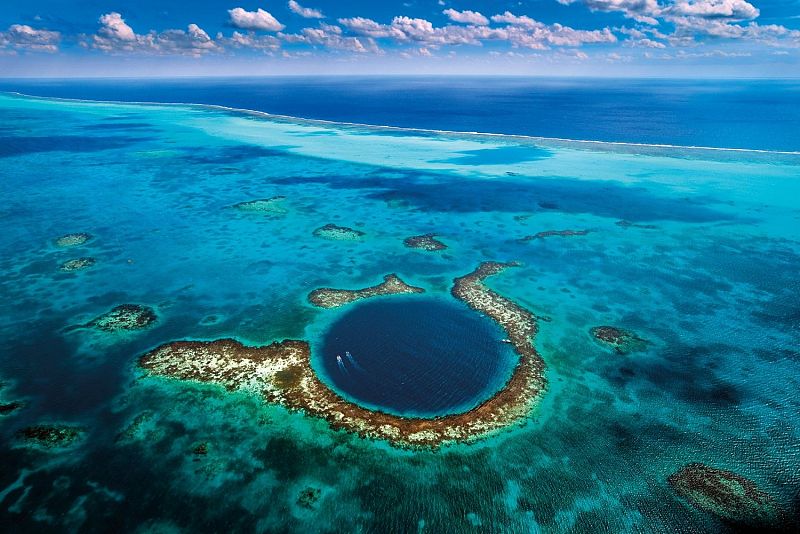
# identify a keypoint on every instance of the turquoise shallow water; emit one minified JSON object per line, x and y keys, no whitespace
{"x":706,"y":271}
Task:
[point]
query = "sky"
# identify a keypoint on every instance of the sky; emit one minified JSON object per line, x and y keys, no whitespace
{"x":649,"y":38}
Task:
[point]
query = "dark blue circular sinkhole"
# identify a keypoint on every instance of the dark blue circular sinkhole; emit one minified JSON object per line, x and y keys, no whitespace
{"x":416,"y":357}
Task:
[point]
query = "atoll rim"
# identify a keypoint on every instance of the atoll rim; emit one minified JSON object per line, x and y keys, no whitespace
{"x":282,"y":373}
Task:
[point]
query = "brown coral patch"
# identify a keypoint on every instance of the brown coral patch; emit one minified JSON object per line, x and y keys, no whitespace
{"x":77,"y":264}
{"x":271,"y":206}
{"x":282,"y":373}
{"x":424,"y":242}
{"x":327,"y":297}
{"x":727,"y":495}
{"x":73,"y":240}
{"x":621,"y":341}
{"x":51,"y":436}
{"x":339,"y":233}
{"x":124,"y":317}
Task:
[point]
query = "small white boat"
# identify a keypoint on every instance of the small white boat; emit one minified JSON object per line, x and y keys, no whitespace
{"x":353,"y":360}
{"x":506,"y":340}
{"x":340,"y":362}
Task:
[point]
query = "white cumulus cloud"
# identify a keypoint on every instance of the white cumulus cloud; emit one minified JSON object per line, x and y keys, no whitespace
{"x":514,"y":20}
{"x":305,"y":12}
{"x":116,"y":36}
{"x":466,"y":17}
{"x":254,"y":20}
{"x":114,"y":28}
{"x":640,"y":10}
{"x":23,"y":37}
{"x":733,"y":9}
{"x":330,"y":36}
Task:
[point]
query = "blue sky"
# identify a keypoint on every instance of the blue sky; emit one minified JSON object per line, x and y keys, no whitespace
{"x":694,"y":38}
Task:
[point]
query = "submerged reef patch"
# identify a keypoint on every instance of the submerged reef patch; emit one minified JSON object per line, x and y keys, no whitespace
{"x":124,"y":317}
{"x":7,"y":408}
{"x":308,"y":497}
{"x":281,"y":372}
{"x":77,"y":264}
{"x":424,"y":242}
{"x":135,"y":429}
{"x":326,"y":297}
{"x":51,"y":436}
{"x":730,"y":496}
{"x":272,"y":205}
{"x":552,"y":233}
{"x":339,"y":233}
{"x":628,"y":224}
{"x":622,"y":341}
{"x":73,"y":240}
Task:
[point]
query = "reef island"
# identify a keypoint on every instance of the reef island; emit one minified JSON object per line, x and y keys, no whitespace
{"x":282,"y":372}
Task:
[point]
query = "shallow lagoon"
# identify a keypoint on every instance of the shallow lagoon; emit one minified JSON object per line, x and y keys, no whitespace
{"x":705,"y":269}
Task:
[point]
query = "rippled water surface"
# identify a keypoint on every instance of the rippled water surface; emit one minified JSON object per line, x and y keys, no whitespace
{"x":696,"y":252}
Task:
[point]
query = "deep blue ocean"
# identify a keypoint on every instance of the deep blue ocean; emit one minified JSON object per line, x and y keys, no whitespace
{"x":755,"y":114}
{"x":693,"y":252}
